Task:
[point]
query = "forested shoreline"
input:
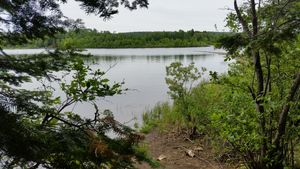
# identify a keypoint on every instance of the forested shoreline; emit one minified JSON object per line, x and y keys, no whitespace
{"x":91,"y":38}
{"x":249,"y":116}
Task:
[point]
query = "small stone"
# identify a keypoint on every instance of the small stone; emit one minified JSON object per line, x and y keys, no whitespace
{"x":198,"y":149}
{"x":190,"y":153}
{"x":161,"y":157}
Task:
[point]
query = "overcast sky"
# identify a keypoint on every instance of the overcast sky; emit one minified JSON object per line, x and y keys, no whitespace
{"x":162,"y":15}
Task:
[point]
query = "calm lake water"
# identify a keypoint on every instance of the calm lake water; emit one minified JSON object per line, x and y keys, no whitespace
{"x":143,"y":71}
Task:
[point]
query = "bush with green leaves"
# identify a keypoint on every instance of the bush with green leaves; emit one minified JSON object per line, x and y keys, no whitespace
{"x":180,"y":80}
{"x":259,"y":120}
{"x":38,"y":129}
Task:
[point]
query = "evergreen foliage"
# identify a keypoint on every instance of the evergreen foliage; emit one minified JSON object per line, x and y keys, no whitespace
{"x":87,"y":38}
{"x":37,"y":130}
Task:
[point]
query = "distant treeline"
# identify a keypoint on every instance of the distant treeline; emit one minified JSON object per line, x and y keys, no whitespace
{"x":88,"y":38}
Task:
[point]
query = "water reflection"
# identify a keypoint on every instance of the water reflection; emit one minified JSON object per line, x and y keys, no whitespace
{"x":145,"y":77}
{"x":148,"y":58}
{"x":143,"y":71}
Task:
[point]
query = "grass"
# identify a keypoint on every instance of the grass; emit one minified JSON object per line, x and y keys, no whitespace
{"x":161,"y":116}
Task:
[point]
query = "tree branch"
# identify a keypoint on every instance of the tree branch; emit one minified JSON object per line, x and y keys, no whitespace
{"x":254,"y":18}
{"x":65,"y":121}
{"x":268,"y":81}
{"x":285,"y":111}
{"x":241,"y":19}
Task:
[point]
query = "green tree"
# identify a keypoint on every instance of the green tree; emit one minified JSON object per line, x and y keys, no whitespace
{"x":180,"y":80}
{"x":268,"y":47}
{"x":36,"y":130}
{"x":86,"y":38}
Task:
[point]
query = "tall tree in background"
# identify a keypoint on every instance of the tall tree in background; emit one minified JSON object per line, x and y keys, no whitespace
{"x":35,"y":129}
{"x":269,"y":43}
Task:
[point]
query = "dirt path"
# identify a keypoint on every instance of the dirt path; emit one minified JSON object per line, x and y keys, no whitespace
{"x":173,"y":151}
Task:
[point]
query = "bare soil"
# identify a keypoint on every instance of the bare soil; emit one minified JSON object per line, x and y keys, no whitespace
{"x":172,"y":147}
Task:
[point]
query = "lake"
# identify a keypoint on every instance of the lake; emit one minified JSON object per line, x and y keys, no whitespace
{"x":143,"y":71}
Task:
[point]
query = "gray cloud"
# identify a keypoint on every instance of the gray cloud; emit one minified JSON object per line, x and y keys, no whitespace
{"x":162,"y":15}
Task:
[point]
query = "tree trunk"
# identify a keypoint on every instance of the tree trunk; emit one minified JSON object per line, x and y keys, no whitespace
{"x":277,"y":151}
{"x":284,"y":113}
